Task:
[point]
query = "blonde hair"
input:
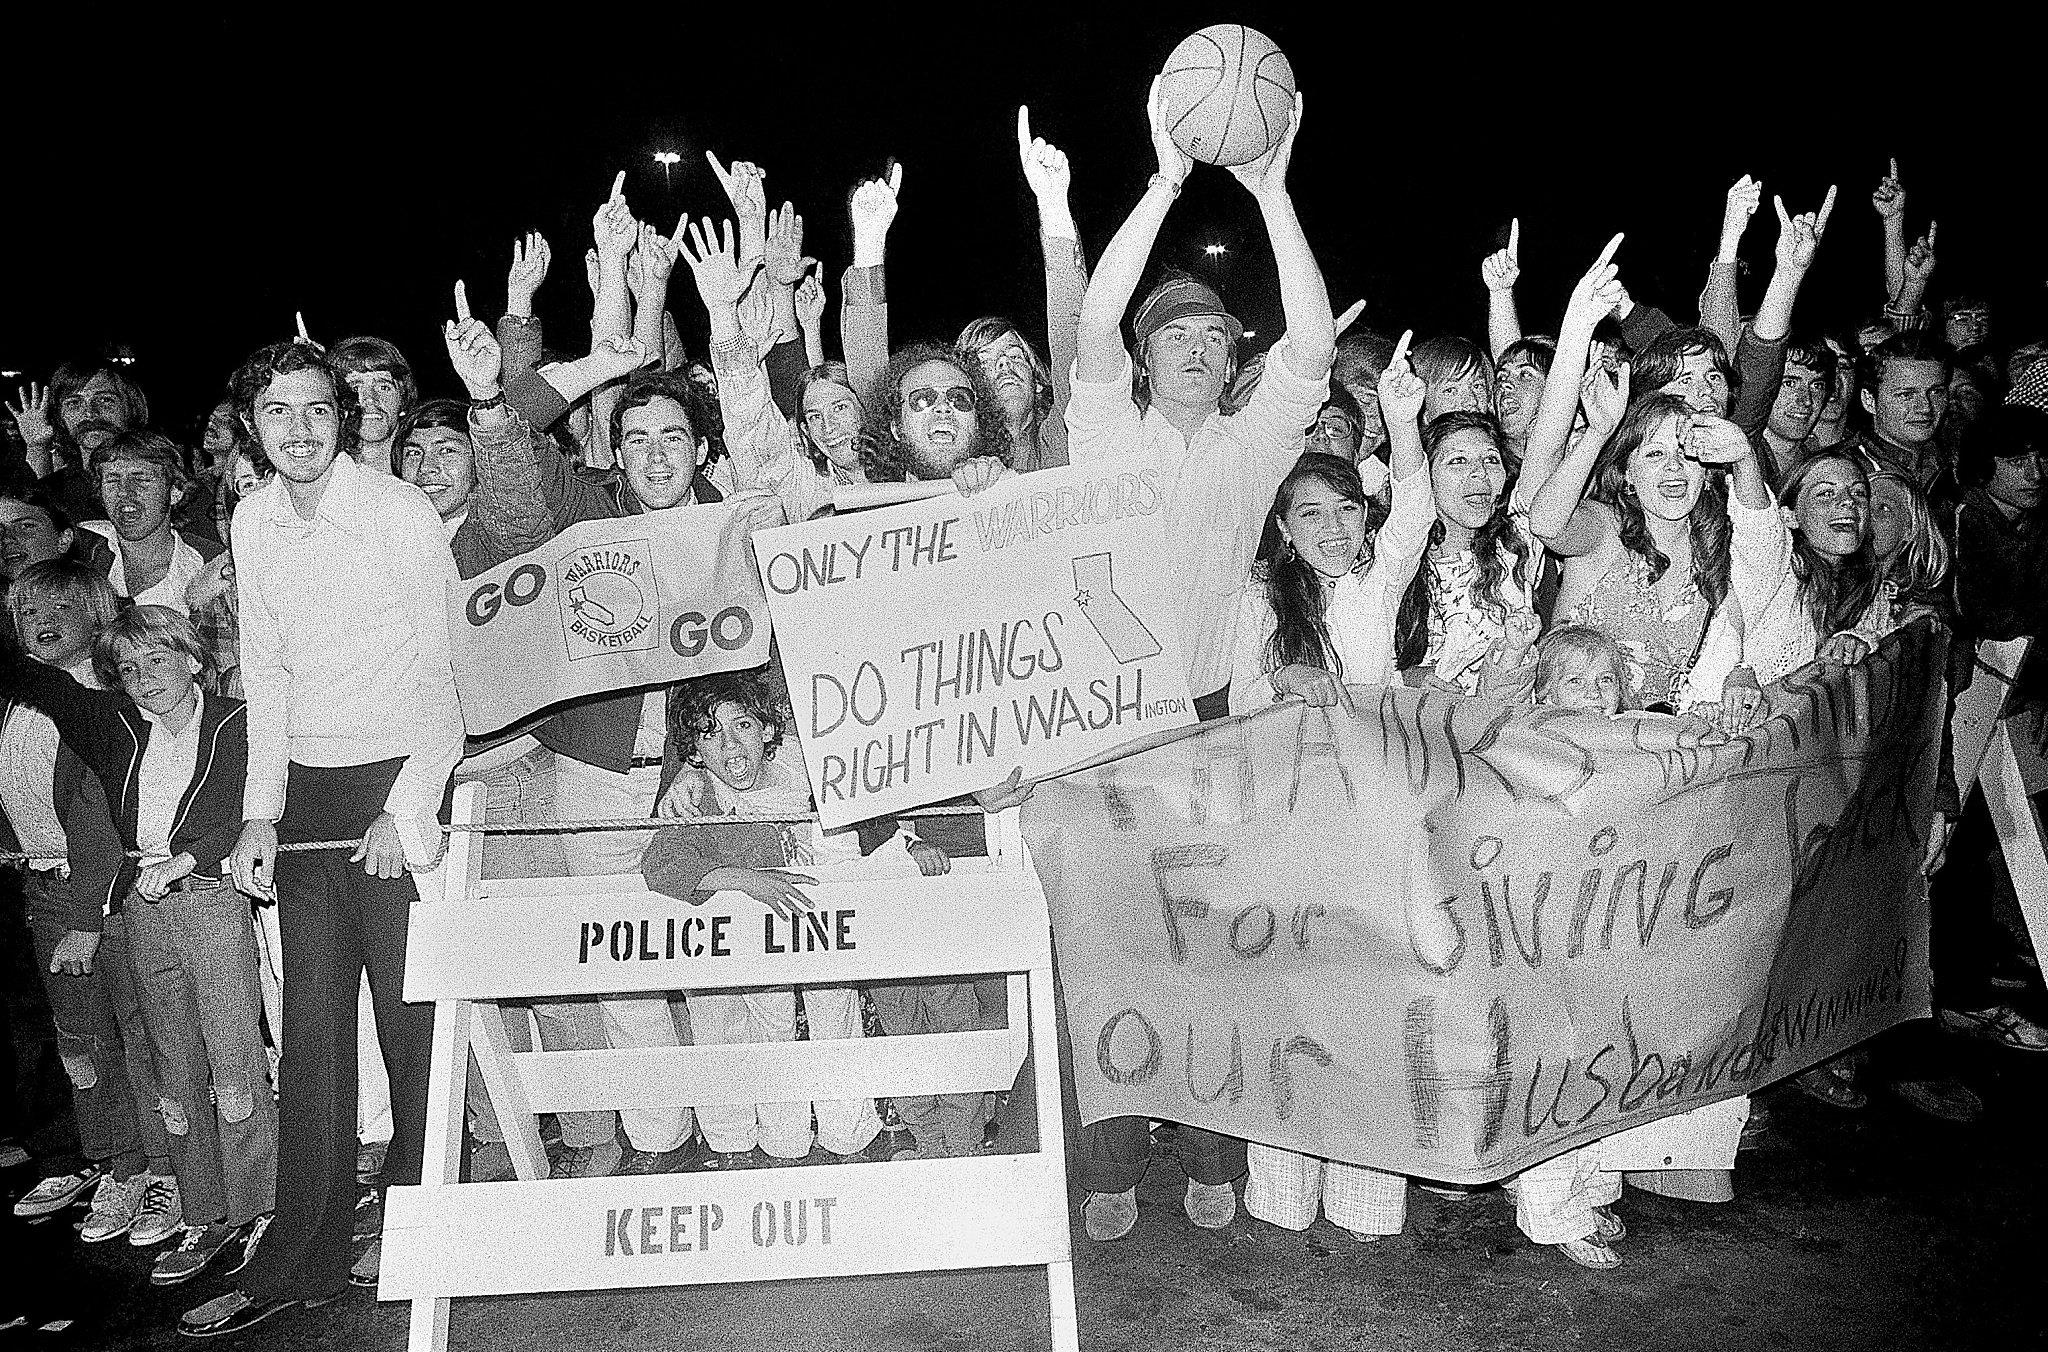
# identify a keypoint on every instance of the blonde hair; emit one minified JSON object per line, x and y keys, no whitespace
{"x":1922,"y":559}
{"x":145,"y":627}
{"x":1582,"y":641}
{"x":64,"y":577}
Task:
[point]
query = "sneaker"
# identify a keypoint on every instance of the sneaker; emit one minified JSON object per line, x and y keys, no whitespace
{"x":1999,"y":1023}
{"x":1210,"y":1205}
{"x":1948,"y":1100}
{"x":1589,"y":1253}
{"x":588,"y":1161}
{"x":364,"y":1273}
{"x":1611,"y":1226}
{"x":370,"y":1160}
{"x":114,"y":1204}
{"x":161,"y":1214}
{"x":251,"y":1235}
{"x":369,"y":1214}
{"x":12,"y":1156}
{"x":238,"y":1310}
{"x":201,"y":1245}
{"x":490,"y":1162}
{"x":1110,"y":1215}
{"x":57,"y":1192}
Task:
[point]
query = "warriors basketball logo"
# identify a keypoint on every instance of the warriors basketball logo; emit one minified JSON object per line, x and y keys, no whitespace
{"x":606,"y":599}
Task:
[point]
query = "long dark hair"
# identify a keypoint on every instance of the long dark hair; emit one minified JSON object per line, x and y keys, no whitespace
{"x":1295,"y":590}
{"x":1834,"y":591}
{"x":1708,"y":522}
{"x":1489,"y":542}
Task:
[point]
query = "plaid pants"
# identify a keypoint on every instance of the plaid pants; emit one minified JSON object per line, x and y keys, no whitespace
{"x":1287,"y":1189}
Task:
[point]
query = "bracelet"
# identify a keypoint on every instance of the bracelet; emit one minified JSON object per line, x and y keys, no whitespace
{"x":495,"y":401}
{"x":1162,"y":181}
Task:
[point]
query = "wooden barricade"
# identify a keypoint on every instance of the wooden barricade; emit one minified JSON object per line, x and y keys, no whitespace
{"x":479,"y":942}
{"x":2006,"y":763}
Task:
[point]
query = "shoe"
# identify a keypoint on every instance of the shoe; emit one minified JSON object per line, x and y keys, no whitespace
{"x":1999,"y":1023}
{"x":364,"y":1273}
{"x":57,"y":1192}
{"x":370,"y":1160}
{"x":369,"y":1214}
{"x":1363,"y":1237}
{"x":491,"y":1162}
{"x":1824,"y":1084}
{"x":1611,"y":1227}
{"x":1589,"y":1253}
{"x":201,"y":1245}
{"x":160,"y":1215}
{"x":251,"y":1235}
{"x":909,"y":1152}
{"x":1210,"y":1205}
{"x":238,"y":1310}
{"x":114,"y":1204}
{"x":1450,"y":1192}
{"x":588,"y":1161}
{"x":12,"y":1156}
{"x":668,"y":1161}
{"x":1110,"y":1215}
{"x":1948,"y":1100}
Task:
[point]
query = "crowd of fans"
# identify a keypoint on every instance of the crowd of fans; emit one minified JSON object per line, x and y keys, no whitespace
{"x":228,"y":646}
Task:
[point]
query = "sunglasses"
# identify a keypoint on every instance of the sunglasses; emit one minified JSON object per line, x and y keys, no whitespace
{"x":961,"y":397}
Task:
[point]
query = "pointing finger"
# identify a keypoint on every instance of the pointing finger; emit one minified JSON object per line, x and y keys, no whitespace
{"x":1023,"y":129}
{"x":1932,"y":226}
{"x":300,"y":316}
{"x":1895,"y":168}
{"x":1515,"y":239}
{"x":1350,"y":317}
{"x":1400,"y":357}
{"x":1607,"y":254}
{"x":895,"y":177}
{"x":618,"y":186}
{"x":1827,"y":208}
{"x":1784,"y":220}
{"x":461,"y":303}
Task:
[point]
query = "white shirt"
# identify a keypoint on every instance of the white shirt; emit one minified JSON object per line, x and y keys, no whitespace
{"x":28,"y":759}
{"x":1219,"y":487}
{"x":186,"y":564}
{"x":1359,"y":610}
{"x":345,"y":650}
{"x":162,"y":779}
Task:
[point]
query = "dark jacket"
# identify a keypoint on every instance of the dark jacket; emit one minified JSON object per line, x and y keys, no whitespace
{"x":93,"y":850}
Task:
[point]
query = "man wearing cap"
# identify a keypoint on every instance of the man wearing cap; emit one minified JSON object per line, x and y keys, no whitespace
{"x":1223,"y":471}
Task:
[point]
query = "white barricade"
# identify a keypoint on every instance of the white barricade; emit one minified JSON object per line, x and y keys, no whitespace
{"x":2006,"y":763}
{"x":480,"y":942}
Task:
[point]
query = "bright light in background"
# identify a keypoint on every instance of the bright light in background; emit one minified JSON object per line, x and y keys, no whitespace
{"x":1215,"y":250}
{"x":1251,"y":333}
{"x":10,"y":375}
{"x":666,"y":159}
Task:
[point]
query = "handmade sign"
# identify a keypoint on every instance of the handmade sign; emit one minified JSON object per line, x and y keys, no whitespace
{"x":933,"y":647}
{"x":1447,"y":938}
{"x":607,"y":605}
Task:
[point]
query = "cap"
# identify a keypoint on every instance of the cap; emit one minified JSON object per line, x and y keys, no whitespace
{"x":1178,"y":298}
{"x":2031,"y":389}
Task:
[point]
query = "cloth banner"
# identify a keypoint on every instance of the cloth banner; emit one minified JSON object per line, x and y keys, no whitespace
{"x":933,"y":647}
{"x":607,"y":605}
{"x":1450,"y":939}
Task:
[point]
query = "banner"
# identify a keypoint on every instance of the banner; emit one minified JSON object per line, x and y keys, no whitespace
{"x":607,"y":605}
{"x":1450,"y":939}
{"x":935,"y":646}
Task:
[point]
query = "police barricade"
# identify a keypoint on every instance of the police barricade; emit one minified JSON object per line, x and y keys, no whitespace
{"x":2002,"y":756}
{"x":478,"y":942}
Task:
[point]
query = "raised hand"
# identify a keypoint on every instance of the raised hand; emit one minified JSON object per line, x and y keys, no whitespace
{"x":1012,"y":792}
{"x":1604,"y":396}
{"x":874,"y":204}
{"x":1714,"y":441}
{"x":613,"y":229}
{"x":745,"y":187}
{"x":713,"y":256}
{"x":810,"y":301}
{"x":31,"y":410}
{"x":529,"y":269}
{"x":1267,"y":175}
{"x":785,"y":259}
{"x":1046,"y":171}
{"x":1799,"y":236}
{"x":1503,"y":268}
{"x":615,"y":357}
{"x":472,"y":349}
{"x":1598,"y":292}
{"x":1174,"y":163}
{"x":1889,"y":201}
{"x":1522,"y":629}
{"x":1743,"y":200}
{"x":1400,"y":389}
{"x":649,"y":265}
{"x":1920,"y":258}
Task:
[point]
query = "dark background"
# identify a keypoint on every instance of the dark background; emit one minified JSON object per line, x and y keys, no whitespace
{"x":182,"y":184}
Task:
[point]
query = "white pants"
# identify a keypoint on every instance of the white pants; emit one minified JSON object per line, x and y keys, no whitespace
{"x":845,"y":1127}
{"x":1554,"y":1201}
{"x":1286,"y":1189}
{"x":585,"y":792}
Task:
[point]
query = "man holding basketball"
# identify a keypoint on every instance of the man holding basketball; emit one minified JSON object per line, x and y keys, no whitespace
{"x":1223,"y":472}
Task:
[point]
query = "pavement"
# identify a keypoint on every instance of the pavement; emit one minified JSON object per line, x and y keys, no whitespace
{"x":1877,"y":1229}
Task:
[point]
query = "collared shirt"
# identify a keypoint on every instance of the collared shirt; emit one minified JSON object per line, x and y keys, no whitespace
{"x":213,"y":622}
{"x":28,"y":759}
{"x":345,"y":656}
{"x":1219,"y":486}
{"x":186,"y":564}
{"x":161,"y":780}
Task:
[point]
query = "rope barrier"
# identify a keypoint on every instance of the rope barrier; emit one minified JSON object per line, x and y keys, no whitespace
{"x":594,"y":824}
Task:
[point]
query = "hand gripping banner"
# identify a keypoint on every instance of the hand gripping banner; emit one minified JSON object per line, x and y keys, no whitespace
{"x":607,"y":605}
{"x":1446,"y":938}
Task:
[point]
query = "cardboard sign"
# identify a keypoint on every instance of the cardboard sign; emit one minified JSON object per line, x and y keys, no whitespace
{"x":606,"y":605}
{"x":1450,"y":939}
{"x":935,"y":646}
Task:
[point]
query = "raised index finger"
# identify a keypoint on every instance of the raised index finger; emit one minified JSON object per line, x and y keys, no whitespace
{"x":895,"y":177}
{"x":1515,"y":238}
{"x":1607,"y":254}
{"x":1023,"y":128}
{"x":461,"y":303}
{"x":618,"y":186}
{"x":1400,"y":357}
{"x":1827,"y":208}
{"x":1895,"y":168}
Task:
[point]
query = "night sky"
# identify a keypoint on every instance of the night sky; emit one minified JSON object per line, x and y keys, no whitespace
{"x":184,"y":186}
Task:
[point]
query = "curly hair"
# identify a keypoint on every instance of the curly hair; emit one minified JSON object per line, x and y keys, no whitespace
{"x":1492,"y":544}
{"x":1835,"y":591}
{"x":1708,"y":521}
{"x":700,"y":410}
{"x":883,"y":455}
{"x":693,"y":708}
{"x":1301,"y":636}
{"x":979,"y":333}
{"x":264,"y":365}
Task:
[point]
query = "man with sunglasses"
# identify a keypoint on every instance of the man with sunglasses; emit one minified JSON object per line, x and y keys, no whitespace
{"x":1224,"y":471}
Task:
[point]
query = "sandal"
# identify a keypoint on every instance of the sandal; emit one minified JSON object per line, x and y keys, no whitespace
{"x":1589,"y":1253}
{"x":1611,"y":1226}
{"x":1830,"y":1088}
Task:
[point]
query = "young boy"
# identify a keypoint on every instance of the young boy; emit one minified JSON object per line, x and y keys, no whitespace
{"x":57,"y":810}
{"x":1579,"y":667}
{"x":729,"y":726}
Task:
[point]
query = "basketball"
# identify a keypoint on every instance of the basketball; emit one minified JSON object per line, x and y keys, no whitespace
{"x":1226,"y":94}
